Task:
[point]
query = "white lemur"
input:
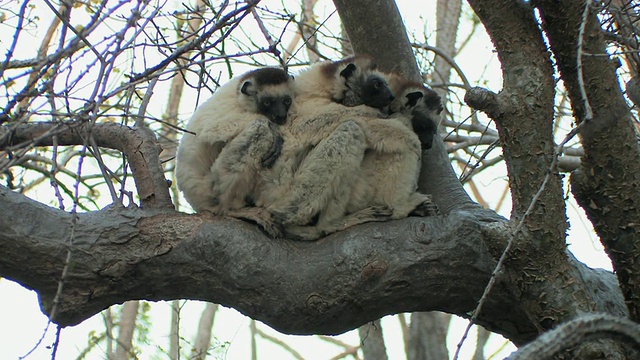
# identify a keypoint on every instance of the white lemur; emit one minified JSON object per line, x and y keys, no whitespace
{"x":230,"y":138}
{"x":324,"y":146}
{"x":388,"y":174}
{"x":362,"y":168}
{"x":423,"y":104}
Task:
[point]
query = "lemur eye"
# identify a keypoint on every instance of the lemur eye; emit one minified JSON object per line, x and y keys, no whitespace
{"x":377,"y":84}
{"x":287,"y":101}
{"x":266,"y":102}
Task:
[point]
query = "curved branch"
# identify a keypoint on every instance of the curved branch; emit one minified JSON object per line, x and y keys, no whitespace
{"x":138,"y":144}
{"x":578,"y":331}
{"x":449,"y":60}
{"x":326,"y":287}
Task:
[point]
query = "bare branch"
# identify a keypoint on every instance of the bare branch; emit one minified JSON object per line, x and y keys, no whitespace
{"x":138,"y":145}
{"x":441,"y":54}
{"x":278,"y":342}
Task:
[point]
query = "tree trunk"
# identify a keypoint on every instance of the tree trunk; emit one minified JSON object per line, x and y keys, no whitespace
{"x":427,"y":336}
{"x":607,"y":184}
{"x":126,"y":327}
{"x":372,"y":342}
{"x":203,"y":337}
{"x":174,"y":331}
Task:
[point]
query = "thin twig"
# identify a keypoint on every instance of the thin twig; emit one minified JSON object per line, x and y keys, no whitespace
{"x":103,"y":169}
{"x":14,"y":43}
{"x":449,"y":60}
{"x":139,"y":121}
{"x":278,"y":342}
{"x":37,"y":345}
{"x":583,"y":91}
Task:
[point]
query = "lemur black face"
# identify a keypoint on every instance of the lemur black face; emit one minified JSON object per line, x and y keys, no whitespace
{"x":433,"y":101}
{"x":376,"y":92}
{"x":424,"y":126}
{"x":275,"y":108}
{"x":266,"y":88}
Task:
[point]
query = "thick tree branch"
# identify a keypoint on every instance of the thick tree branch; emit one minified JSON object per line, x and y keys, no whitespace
{"x":607,"y":185}
{"x":326,"y":287}
{"x":528,"y":93}
{"x":138,"y":144}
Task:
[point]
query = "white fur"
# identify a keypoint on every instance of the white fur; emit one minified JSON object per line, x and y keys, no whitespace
{"x":346,"y":164}
{"x":212,"y":174}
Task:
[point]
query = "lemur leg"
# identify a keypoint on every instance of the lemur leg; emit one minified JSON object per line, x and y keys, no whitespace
{"x":261,"y":217}
{"x":235,"y":172}
{"x":390,"y":169}
{"x":311,"y":233}
{"x":322,"y":183}
{"x":396,"y":183}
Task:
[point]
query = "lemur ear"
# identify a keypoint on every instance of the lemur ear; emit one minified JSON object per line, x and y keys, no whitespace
{"x":413,"y":98}
{"x":247,"y":88}
{"x":348,"y":71}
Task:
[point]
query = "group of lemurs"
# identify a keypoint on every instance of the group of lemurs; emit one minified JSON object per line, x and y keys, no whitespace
{"x":338,"y":145}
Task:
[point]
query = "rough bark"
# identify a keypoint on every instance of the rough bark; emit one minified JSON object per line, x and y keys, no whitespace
{"x":537,"y":265}
{"x":327,"y":287}
{"x":607,"y":184}
{"x":578,"y":332}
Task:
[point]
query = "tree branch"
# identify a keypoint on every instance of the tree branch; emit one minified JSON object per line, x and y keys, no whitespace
{"x":607,"y":185}
{"x":523,"y":113}
{"x":138,"y":144}
{"x":577,"y":332}
{"x":326,"y":287}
